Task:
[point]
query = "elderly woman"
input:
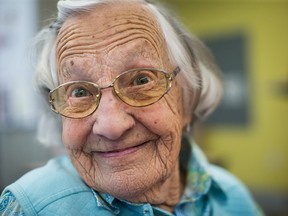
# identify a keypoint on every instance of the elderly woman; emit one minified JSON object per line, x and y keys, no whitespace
{"x":128,"y":81}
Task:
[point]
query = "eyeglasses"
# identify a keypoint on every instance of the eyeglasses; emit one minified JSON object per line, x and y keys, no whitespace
{"x":137,"y":87}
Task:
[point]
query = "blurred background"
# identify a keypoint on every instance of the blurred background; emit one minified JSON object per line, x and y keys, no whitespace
{"x":248,"y":133}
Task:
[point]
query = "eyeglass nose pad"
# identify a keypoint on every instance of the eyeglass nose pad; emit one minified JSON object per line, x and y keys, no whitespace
{"x":97,"y":100}
{"x":116,"y":93}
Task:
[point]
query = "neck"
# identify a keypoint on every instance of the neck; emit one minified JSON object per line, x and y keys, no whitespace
{"x":165,"y":194}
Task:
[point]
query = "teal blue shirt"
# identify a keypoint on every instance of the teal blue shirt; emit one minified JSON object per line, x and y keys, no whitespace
{"x":57,"y":189}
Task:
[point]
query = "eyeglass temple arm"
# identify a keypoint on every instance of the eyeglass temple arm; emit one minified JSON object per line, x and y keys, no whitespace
{"x":175,"y":72}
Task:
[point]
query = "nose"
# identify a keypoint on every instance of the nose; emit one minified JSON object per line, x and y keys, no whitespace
{"x":111,"y":117}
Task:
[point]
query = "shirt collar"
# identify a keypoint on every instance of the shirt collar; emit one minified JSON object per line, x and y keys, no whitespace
{"x":200,"y":181}
{"x":105,"y":201}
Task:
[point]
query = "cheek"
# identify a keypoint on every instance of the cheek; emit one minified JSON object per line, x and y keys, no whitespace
{"x":162,"y":123}
{"x":166,"y":122}
{"x":74,"y":133}
{"x":165,"y":116}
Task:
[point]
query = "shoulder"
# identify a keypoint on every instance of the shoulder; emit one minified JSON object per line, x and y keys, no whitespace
{"x":57,"y":174}
{"x":55,"y":184}
{"x":225,"y":179}
{"x":231,"y":194}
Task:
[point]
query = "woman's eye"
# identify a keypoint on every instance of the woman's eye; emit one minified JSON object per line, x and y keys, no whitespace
{"x":142,"y":80}
{"x":80,"y":92}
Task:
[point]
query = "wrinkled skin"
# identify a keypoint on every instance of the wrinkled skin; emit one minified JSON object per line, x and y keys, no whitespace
{"x":130,"y":153}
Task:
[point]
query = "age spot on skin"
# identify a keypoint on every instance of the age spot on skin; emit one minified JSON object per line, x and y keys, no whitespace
{"x":71,"y":62}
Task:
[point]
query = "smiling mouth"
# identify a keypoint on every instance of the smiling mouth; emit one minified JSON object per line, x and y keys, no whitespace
{"x":121,"y":152}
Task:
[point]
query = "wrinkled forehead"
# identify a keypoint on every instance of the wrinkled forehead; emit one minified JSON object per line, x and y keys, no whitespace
{"x":107,"y":24}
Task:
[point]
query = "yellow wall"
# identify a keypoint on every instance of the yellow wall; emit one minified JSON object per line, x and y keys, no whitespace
{"x":258,"y":153}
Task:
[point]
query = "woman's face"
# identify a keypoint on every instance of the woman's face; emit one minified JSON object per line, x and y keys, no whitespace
{"x":125,"y":151}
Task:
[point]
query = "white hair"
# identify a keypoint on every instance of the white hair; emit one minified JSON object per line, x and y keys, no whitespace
{"x":199,"y":75}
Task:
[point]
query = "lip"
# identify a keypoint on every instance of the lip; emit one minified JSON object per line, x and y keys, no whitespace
{"x":121,"y":152}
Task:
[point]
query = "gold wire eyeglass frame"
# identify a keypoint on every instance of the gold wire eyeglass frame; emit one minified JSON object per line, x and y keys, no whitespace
{"x":54,"y":101}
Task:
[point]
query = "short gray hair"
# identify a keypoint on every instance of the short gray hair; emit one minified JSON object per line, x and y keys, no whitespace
{"x":198,"y":71}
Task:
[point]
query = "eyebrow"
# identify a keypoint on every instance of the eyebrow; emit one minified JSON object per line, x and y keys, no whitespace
{"x":75,"y":73}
